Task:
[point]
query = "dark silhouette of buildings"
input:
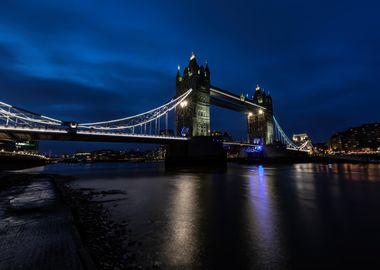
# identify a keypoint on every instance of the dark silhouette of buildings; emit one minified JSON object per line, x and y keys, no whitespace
{"x":365,"y":138}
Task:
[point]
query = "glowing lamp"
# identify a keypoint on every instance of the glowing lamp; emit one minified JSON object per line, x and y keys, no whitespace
{"x":183,"y":104}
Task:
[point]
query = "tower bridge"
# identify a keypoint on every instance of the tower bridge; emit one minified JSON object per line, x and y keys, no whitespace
{"x":191,"y":105}
{"x":194,"y":118}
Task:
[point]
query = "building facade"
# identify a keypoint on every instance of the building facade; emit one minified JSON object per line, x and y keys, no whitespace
{"x":193,"y":115}
{"x":365,"y":138}
{"x":260,"y":121}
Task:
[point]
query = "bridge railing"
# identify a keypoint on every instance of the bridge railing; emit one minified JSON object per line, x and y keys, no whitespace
{"x":11,"y":115}
{"x":144,"y":124}
{"x":281,"y":136}
{"x":147,"y":120}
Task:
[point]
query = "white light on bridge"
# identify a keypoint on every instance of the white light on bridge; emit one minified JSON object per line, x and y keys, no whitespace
{"x":261,"y":111}
{"x":183,"y":104}
{"x":250,"y":114}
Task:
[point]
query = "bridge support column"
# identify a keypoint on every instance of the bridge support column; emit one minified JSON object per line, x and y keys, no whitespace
{"x":193,"y":115}
{"x":199,"y":151}
{"x":260,"y":121}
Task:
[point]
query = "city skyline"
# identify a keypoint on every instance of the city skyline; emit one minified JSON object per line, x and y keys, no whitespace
{"x":100,"y":62}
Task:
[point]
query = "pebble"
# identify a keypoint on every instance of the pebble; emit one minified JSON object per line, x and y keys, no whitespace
{"x":156,"y":264}
{"x":131,"y":243}
{"x":101,"y":235}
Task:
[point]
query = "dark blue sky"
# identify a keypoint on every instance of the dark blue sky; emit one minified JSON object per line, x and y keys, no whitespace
{"x":86,"y":61}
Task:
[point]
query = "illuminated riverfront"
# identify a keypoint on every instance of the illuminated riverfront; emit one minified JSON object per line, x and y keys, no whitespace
{"x":189,"y":135}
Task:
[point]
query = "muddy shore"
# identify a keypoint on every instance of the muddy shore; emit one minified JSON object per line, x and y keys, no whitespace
{"x":95,"y":242}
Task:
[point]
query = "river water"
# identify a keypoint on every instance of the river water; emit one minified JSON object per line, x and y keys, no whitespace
{"x":249,"y":217}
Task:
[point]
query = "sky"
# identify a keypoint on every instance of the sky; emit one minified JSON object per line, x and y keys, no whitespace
{"x":100,"y":60}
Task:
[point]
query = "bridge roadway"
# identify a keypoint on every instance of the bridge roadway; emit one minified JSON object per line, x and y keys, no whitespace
{"x":26,"y":133}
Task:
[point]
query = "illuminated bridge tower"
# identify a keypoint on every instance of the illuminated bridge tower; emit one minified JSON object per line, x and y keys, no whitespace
{"x":260,"y":122}
{"x":193,"y":115}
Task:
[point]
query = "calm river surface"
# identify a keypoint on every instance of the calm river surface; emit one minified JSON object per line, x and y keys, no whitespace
{"x":249,"y":217}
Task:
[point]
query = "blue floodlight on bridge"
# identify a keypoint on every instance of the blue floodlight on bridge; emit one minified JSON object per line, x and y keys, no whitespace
{"x":184,"y":131}
{"x":254,"y":149}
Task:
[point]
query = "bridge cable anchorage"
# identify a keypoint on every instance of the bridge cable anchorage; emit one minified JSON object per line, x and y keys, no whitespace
{"x":290,"y":145}
{"x":138,"y":119}
{"x":14,"y":116}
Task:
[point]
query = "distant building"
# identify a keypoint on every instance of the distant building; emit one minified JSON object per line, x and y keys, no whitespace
{"x":27,"y":146}
{"x":156,"y":154}
{"x":320,"y":148}
{"x":300,"y":138}
{"x":227,"y":137}
{"x":365,"y":138}
{"x":224,"y":135}
{"x":7,"y":145}
{"x":82,"y":156}
{"x":23,"y":146}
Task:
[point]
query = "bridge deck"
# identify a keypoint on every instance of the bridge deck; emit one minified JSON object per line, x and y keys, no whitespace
{"x":26,"y":133}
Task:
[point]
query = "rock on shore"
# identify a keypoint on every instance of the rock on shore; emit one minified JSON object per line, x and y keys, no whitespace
{"x":103,"y":238}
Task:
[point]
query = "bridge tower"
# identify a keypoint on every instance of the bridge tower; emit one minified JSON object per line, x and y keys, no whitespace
{"x":193,"y":115}
{"x":260,"y":122}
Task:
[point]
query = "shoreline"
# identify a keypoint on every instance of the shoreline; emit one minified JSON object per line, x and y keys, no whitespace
{"x":37,"y":227}
{"x":99,"y":242}
{"x":10,"y":165}
{"x":102,"y":238}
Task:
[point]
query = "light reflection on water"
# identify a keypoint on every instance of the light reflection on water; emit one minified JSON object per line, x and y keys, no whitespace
{"x":250,"y":217}
{"x":263,"y":217}
{"x":181,"y":244}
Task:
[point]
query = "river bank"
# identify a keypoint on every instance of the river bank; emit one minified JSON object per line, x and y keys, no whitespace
{"x":46,"y":225}
{"x":102,"y":237}
{"x":15,"y":161}
{"x":36,"y":227}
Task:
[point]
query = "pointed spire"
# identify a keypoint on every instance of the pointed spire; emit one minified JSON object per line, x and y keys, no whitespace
{"x":192,"y":56}
{"x":258,"y":87}
{"x":179,"y":71}
{"x":193,"y":65}
{"x":207,"y":70}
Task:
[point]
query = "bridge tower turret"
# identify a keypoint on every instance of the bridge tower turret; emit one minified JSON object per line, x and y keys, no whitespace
{"x":193,"y":115}
{"x":260,"y":123}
